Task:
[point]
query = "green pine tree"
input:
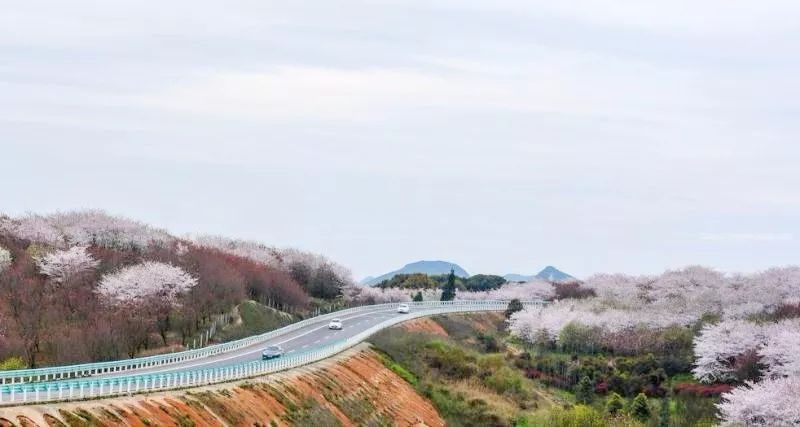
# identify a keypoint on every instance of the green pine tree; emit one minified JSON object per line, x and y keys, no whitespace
{"x":514,"y":306}
{"x":584,"y":391}
{"x":449,"y":290}
{"x":418,"y":296}
{"x":663,"y":417}
{"x":639,"y":407}
{"x":614,"y":404}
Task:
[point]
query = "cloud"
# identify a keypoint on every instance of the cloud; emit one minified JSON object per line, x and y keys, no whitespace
{"x":718,"y":18}
{"x":746,"y":237}
{"x":556,"y":82}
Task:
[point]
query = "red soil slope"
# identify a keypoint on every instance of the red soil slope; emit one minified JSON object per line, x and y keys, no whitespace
{"x":352,"y":389}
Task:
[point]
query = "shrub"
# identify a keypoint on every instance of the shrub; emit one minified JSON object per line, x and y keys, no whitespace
{"x":584,"y":391}
{"x":614,"y":404}
{"x":577,"y":416}
{"x":575,"y":337}
{"x":450,"y":360}
{"x":12,"y":363}
{"x":490,"y":343}
{"x":506,"y":380}
{"x":701,"y":390}
{"x":639,"y":407}
{"x":514,"y":306}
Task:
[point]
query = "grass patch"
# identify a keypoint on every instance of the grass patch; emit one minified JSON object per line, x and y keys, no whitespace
{"x":398,"y":369}
{"x":312,"y":414}
{"x":256,"y":319}
{"x":212,"y":402}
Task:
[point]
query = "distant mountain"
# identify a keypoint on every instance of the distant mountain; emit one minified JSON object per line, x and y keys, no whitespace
{"x":553,"y":274}
{"x":549,"y":273}
{"x":427,"y":267}
{"x":517,"y":277}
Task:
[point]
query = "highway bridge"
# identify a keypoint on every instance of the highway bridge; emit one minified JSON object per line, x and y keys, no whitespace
{"x":304,"y":342}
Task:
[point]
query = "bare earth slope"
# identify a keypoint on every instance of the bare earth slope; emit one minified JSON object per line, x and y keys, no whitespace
{"x":353,"y":388}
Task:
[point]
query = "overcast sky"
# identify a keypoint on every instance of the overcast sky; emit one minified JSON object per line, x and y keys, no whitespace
{"x":501,"y":135}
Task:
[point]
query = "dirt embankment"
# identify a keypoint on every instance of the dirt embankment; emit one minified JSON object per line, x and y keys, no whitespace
{"x":352,"y":389}
{"x":424,"y":324}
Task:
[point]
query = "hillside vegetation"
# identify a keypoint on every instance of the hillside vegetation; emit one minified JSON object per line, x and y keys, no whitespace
{"x":476,"y":373}
{"x":86,"y":286}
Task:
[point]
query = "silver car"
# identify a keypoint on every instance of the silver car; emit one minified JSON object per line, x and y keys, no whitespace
{"x":272,"y":352}
{"x":335,"y":324}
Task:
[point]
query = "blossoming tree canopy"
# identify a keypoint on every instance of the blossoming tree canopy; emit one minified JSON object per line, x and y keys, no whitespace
{"x":135,"y":283}
{"x":718,"y":346}
{"x":60,"y":265}
{"x":767,"y":403}
{"x":84,"y":228}
{"x":5,"y":258}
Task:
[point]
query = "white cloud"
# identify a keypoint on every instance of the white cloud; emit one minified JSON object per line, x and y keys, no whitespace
{"x":746,"y":237}
{"x":692,"y":18}
{"x":623,"y":129}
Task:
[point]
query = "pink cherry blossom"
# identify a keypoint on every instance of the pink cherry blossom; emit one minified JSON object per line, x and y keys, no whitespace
{"x":60,"y":265}
{"x":136,"y":282}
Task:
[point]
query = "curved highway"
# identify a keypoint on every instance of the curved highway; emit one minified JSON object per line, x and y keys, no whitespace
{"x":314,"y":335}
{"x":305,"y":342}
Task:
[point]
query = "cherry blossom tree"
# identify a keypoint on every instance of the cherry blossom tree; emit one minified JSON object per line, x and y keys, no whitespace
{"x":533,"y":290}
{"x":137,"y":282}
{"x":718,"y":346}
{"x":5,"y":258}
{"x":373,"y":295}
{"x":781,"y":353}
{"x":771,"y":403}
{"x":148,"y":292}
{"x":60,"y":265}
{"x":84,"y":228}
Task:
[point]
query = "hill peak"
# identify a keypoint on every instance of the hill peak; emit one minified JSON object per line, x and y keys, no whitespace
{"x":424,"y":266}
{"x":553,"y":274}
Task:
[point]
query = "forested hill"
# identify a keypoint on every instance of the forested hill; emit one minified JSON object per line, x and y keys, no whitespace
{"x":424,"y":267}
{"x":87,"y":286}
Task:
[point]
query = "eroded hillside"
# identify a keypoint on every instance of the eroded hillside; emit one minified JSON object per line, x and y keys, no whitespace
{"x":354,"y":388}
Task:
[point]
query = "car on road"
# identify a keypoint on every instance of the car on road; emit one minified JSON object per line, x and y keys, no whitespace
{"x":272,"y":352}
{"x":335,"y":324}
{"x":403,"y":308}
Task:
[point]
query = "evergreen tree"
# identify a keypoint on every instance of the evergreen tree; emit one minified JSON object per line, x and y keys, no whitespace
{"x":584,"y":391}
{"x":449,"y":290}
{"x":514,"y":306}
{"x":418,"y":296}
{"x":663,"y":418}
{"x":614,"y":404}
{"x":639,"y":408}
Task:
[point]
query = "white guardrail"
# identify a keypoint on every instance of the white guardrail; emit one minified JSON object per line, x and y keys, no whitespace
{"x":116,"y":366}
{"x":86,"y":388}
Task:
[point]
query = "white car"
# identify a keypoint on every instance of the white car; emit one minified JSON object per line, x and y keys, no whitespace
{"x":271,"y":352}
{"x":403,"y":308}
{"x":335,"y":324}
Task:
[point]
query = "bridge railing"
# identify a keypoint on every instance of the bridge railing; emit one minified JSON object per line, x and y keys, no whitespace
{"x":78,"y":389}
